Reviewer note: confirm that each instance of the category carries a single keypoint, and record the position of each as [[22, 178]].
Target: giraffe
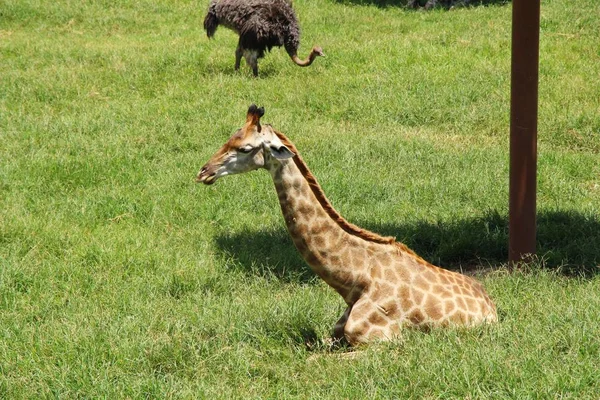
[[385, 285]]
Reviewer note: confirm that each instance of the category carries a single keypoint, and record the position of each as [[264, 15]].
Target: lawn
[[122, 278]]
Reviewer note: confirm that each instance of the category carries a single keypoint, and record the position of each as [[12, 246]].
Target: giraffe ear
[[280, 152], [275, 146]]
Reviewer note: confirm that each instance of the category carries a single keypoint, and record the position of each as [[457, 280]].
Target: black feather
[[261, 24], [211, 22]]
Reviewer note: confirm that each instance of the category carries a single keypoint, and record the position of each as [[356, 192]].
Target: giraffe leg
[[338, 329], [251, 57], [366, 323], [357, 328], [430, 4]]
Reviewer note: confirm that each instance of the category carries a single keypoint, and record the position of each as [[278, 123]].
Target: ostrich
[[261, 25]]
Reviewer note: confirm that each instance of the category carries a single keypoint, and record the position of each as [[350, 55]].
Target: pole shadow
[[566, 240]]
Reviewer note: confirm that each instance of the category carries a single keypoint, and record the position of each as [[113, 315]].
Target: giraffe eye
[[245, 150]]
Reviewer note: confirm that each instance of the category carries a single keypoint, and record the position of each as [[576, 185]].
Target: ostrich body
[[261, 25]]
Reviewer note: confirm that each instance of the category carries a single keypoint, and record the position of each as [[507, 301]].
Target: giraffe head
[[252, 147]]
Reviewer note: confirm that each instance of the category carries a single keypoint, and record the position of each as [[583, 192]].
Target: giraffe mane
[[332, 212]]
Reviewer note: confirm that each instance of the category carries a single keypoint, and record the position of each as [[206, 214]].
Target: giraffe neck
[[332, 246], [316, 236]]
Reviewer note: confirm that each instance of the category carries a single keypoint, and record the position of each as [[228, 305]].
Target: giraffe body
[[385, 285]]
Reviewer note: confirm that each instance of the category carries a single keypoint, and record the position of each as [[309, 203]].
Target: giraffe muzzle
[[205, 176], [207, 180]]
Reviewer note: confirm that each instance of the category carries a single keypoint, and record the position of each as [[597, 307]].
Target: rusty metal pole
[[523, 129]]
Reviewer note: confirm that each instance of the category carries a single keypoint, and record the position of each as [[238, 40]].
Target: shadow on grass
[[266, 252], [416, 4], [568, 241]]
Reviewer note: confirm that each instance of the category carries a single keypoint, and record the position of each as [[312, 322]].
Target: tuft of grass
[[121, 278]]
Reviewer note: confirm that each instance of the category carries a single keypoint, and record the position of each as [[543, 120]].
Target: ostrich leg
[[238, 56], [251, 57]]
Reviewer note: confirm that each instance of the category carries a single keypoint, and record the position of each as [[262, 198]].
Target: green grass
[[122, 278]]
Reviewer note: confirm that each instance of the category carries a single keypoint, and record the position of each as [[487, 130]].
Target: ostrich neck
[[323, 243], [303, 63]]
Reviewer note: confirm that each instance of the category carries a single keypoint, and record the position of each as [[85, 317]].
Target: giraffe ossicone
[[385, 285]]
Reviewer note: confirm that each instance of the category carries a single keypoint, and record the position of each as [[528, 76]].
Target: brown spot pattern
[[416, 317], [390, 275], [406, 286], [418, 296], [377, 319], [433, 308]]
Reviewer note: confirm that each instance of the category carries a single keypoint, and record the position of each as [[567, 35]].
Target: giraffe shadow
[[267, 253], [567, 241]]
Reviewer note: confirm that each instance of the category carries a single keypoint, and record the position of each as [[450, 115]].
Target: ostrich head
[[317, 51]]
